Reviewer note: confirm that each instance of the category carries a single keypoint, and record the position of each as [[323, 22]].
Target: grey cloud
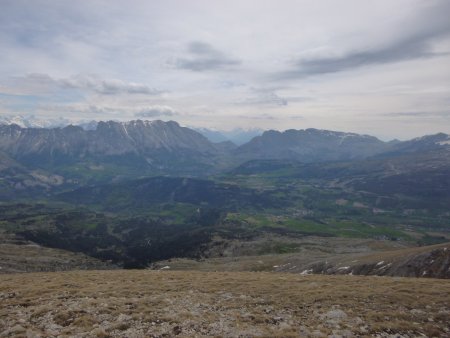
[[96, 110], [38, 77], [204, 57], [31, 84], [433, 23], [156, 111], [419, 114], [43, 82], [401, 51], [259, 117], [264, 97], [113, 112], [107, 87], [145, 112]]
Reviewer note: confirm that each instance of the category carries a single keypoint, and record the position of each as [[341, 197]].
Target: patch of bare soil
[[126, 303]]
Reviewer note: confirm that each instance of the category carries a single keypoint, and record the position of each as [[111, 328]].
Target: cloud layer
[[379, 68]]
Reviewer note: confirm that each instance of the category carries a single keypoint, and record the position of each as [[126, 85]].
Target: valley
[[133, 194]]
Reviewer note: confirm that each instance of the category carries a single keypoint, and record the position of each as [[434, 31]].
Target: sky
[[374, 67]]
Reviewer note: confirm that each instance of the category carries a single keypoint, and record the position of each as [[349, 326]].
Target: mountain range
[[238, 136], [43, 158], [148, 137]]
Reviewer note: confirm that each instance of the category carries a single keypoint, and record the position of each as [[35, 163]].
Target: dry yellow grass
[[147, 303]]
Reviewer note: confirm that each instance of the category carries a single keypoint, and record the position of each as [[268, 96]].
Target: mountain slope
[[414, 180], [19, 181]]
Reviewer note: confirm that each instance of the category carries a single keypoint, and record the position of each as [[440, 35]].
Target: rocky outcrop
[[431, 261]]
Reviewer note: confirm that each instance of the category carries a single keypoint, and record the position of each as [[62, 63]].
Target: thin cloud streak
[[204, 57], [419, 114], [264, 97], [44, 83], [417, 45], [156, 111]]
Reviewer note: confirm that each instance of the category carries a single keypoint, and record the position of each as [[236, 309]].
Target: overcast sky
[[374, 67]]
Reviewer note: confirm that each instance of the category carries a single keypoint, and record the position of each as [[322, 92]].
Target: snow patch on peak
[[445, 141], [31, 121]]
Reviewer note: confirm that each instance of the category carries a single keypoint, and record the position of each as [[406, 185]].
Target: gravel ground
[[126, 303]]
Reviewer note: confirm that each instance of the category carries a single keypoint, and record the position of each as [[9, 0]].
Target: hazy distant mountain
[[212, 135], [88, 125], [33, 122], [420, 144], [238, 136]]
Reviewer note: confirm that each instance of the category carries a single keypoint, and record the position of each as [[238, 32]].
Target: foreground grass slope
[[185, 303]]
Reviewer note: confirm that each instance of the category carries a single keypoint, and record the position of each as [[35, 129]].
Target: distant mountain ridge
[[419, 144], [238, 136], [314, 145], [311, 145]]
